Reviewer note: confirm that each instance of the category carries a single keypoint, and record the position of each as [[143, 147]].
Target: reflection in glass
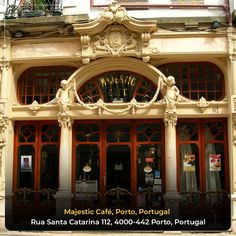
[[213, 181], [49, 167], [87, 158], [149, 167]]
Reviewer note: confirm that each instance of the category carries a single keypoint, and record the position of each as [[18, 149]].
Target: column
[[232, 136], [64, 195], [171, 197], [5, 142]]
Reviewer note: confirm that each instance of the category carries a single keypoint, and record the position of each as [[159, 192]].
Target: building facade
[[102, 101]]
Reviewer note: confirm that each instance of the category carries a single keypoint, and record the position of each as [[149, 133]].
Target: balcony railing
[[33, 8]]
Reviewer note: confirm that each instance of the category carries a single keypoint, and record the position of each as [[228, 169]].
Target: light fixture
[[18, 34], [215, 25], [147, 169], [87, 168]]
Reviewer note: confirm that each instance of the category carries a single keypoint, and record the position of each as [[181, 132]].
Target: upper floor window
[[41, 83], [197, 79]]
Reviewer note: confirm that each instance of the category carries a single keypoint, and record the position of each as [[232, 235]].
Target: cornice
[[111, 15]]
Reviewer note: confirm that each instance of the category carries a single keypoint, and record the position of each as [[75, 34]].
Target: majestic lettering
[[118, 87]]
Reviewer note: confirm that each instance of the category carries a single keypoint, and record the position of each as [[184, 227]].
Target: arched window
[[196, 79], [41, 83], [117, 86]]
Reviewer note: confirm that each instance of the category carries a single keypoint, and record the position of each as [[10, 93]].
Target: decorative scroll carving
[[114, 13], [202, 104], [145, 37], [233, 104], [34, 107], [86, 52], [115, 39], [116, 33]]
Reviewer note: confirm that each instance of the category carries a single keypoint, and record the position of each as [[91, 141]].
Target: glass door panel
[[49, 167], [87, 159], [118, 167], [189, 168]]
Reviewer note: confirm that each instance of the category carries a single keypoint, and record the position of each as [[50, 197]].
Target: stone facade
[[113, 41]]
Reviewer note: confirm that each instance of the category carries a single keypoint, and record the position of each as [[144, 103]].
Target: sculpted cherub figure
[[63, 98], [171, 94]]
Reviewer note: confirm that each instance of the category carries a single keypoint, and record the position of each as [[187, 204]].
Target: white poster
[[26, 163]]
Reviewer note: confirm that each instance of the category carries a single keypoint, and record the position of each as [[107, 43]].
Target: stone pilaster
[[3, 127], [63, 196]]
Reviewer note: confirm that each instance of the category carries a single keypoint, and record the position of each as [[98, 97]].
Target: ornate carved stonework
[[170, 119], [114, 13], [115, 39], [86, 51], [3, 125], [4, 64], [116, 33], [234, 104], [34, 107], [65, 121], [202, 104]]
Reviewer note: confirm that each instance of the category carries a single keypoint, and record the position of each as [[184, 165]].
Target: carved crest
[[116, 33], [115, 39]]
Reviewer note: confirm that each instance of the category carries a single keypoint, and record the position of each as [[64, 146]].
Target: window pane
[[188, 131]]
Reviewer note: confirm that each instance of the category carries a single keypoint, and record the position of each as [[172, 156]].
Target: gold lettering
[[133, 81], [124, 92], [103, 82]]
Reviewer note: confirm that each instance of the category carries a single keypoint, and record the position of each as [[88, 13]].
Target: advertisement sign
[[189, 162], [215, 162], [26, 163]]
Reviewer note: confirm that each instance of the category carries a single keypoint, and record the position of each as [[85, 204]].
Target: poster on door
[[189, 162], [215, 162], [26, 163]]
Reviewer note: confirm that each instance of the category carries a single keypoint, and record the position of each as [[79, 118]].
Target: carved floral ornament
[[117, 34]]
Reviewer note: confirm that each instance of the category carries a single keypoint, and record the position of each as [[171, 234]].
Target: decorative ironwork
[[33, 8]]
